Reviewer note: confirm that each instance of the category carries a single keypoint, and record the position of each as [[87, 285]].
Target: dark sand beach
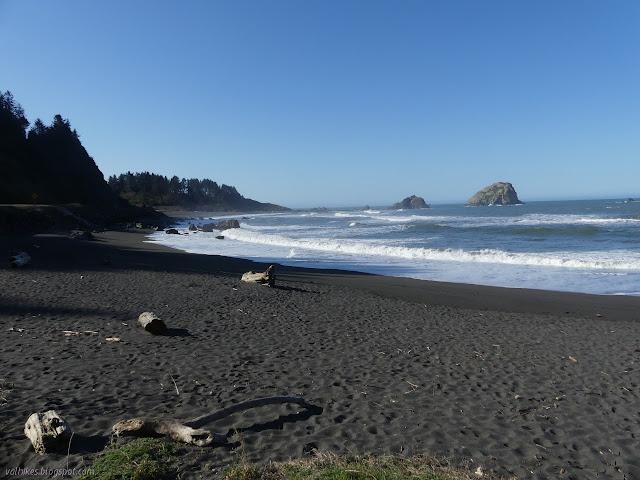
[[526, 383]]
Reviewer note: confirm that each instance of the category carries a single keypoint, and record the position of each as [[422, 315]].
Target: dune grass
[[160, 459], [324, 466], [140, 459]]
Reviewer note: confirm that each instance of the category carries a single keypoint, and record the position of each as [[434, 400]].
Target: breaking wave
[[611, 260]]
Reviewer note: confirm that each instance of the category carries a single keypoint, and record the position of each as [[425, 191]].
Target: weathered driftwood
[[19, 260], [48, 432], [174, 429], [268, 277], [82, 235], [152, 324], [189, 431]]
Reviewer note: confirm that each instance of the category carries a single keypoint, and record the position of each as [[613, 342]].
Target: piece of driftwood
[[174, 429], [190, 431], [82, 235], [152, 324], [19, 260], [268, 277], [48, 432]]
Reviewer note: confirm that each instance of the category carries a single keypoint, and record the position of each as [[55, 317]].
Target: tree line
[[151, 189], [47, 163]]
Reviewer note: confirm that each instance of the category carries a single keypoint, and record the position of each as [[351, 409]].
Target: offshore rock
[[500, 193], [224, 225], [411, 203]]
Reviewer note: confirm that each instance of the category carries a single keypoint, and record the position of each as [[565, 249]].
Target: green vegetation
[[154, 190], [147, 459], [48, 164], [367, 467], [140, 459]]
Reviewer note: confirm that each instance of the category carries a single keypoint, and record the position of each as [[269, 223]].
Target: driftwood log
[[48, 432], [174, 429], [152, 324], [189, 431], [82, 235], [19, 260], [268, 277]]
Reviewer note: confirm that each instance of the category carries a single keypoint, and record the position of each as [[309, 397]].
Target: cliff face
[[500, 193], [411, 203]]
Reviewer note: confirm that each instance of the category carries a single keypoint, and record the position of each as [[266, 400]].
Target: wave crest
[[584, 260]]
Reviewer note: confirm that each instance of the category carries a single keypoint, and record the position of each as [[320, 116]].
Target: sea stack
[[411, 203], [500, 193]]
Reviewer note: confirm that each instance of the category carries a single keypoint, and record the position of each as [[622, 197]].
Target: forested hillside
[[156, 190], [47, 164]]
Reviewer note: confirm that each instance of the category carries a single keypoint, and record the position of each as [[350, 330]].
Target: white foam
[[397, 243], [350, 215], [525, 220], [583, 260], [472, 221]]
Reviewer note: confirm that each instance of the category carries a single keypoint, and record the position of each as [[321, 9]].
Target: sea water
[[580, 246]]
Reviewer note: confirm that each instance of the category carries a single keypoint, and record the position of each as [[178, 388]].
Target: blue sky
[[336, 103]]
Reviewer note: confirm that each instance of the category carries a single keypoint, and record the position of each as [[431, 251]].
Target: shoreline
[[486, 377], [463, 295], [541, 266], [460, 295]]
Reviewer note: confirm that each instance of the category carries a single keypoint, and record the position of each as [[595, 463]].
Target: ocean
[[588, 246]]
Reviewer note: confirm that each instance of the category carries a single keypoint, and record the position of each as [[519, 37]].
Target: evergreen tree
[[13, 124]]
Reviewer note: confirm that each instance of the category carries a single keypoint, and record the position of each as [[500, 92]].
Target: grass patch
[[161, 459], [366, 467], [140, 459]]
